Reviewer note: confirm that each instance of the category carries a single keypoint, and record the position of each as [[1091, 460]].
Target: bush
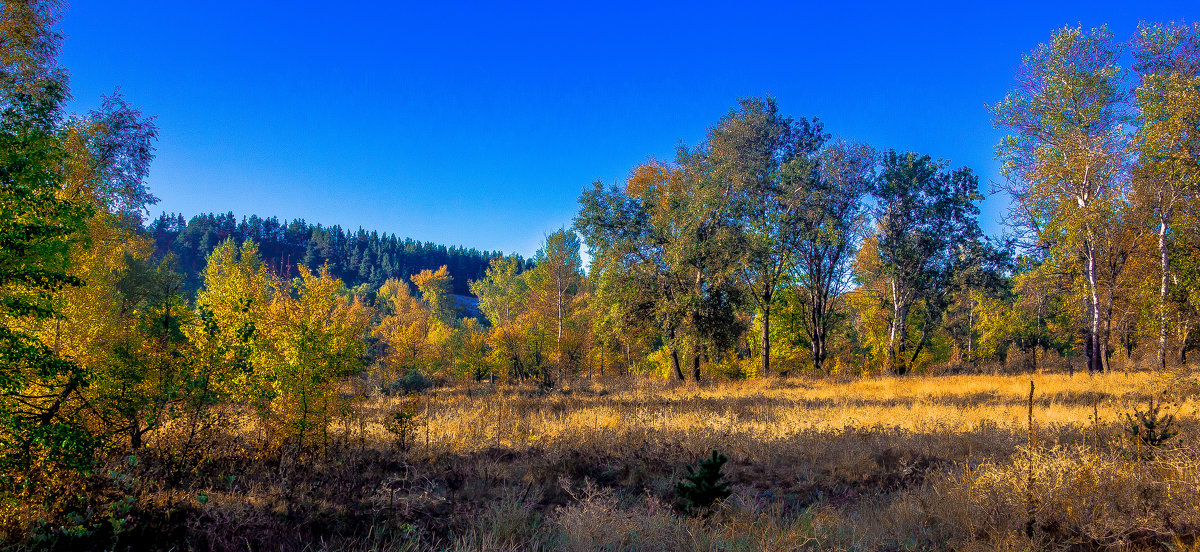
[[701, 489], [411, 382], [1151, 429], [402, 424]]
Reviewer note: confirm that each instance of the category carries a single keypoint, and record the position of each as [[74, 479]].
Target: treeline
[[358, 258], [772, 247]]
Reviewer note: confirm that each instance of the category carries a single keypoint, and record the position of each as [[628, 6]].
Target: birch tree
[[1065, 156]]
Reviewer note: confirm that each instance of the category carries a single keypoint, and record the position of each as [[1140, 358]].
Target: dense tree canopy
[[357, 258]]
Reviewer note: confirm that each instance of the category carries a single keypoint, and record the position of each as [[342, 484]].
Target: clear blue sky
[[479, 125]]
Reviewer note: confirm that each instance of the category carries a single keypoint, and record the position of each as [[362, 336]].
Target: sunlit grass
[[472, 419], [884, 463]]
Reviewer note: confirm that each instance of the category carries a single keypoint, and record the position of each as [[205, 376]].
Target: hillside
[[357, 257]]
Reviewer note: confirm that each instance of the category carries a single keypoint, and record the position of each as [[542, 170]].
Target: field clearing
[[762, 411], [891, 463]]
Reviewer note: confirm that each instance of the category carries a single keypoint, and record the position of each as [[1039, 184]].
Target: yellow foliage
[[313, 336]]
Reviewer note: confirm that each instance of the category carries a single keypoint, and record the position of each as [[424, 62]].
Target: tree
[[111, 151], [767, 162], [148, 372], [231, 307], [39, 388], [828, 226], [407, 328], [628, 263], [435, 289], [502, 294], [314, 335], [1167, 176], [98, 325], [1065, 155], [925, 217], [670, 237], [554, 283]]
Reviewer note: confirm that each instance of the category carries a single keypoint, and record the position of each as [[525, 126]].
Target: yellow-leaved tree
[[502, 294], [231, 306], [313, 337], [412, 335]]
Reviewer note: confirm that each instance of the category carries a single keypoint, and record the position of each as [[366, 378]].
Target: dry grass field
[[916, 463]]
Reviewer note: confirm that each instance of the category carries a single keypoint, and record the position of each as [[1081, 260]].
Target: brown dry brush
[[892, 463]]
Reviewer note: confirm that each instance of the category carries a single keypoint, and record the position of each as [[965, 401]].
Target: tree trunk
[[896, 332], [816, 330], [696, 367], [1183, 343], [675, 368], [135, 436], [1162, 293], [1097, 352], [765, 369], [1106, 336], [818, 351], [920, 344]]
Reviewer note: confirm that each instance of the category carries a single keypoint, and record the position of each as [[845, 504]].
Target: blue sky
[[480, 124]]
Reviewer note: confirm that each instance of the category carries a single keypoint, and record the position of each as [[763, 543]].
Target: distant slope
[[358, 257]]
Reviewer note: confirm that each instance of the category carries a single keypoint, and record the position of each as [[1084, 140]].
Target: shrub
[[701, 489], [402, 424], [412, 381], [1151, 429]]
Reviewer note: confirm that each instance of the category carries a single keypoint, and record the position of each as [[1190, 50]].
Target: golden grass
[[887, 463], [464, 420], [927, 461]]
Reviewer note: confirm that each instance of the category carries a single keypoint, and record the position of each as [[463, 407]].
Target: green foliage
[[413, 381], [39, 431], [148, 373], [357, 257], [1150, 429], [926, 219], [767, 162], [701, 489], [666, 245]]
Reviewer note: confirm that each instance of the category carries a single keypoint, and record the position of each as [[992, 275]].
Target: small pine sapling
[[1151, 429], [701, 489]]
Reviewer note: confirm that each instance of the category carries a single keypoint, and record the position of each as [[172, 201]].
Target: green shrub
[[1151, 429], [699, 490], [412, 381]]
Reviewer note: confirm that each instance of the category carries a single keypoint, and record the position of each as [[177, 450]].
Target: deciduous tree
[[768, 164], [1066, 154], [1167, 176], [925, 218]]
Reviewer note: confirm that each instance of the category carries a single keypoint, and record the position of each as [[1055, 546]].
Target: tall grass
[[892, 463]]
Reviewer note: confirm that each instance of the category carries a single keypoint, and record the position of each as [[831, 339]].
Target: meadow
[[890, 463]]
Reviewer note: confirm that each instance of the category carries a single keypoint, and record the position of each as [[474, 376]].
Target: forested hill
[[357, 257]]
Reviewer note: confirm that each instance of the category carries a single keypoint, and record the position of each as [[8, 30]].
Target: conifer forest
[[777, 339]]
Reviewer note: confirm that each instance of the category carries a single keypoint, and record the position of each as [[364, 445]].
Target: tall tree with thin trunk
[[925, 215], [1065, 156], [554, 284], [829, 222], [1167, 176]]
